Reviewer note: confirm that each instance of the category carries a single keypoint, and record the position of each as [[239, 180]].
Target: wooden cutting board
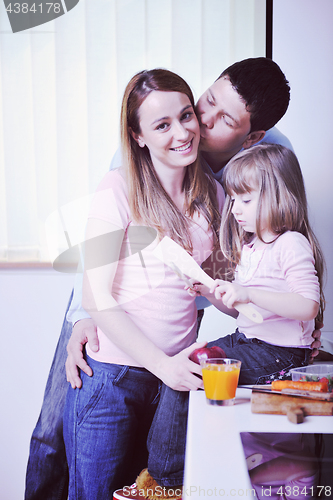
[[293, 407]]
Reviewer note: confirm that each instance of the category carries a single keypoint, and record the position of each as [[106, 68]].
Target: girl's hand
[[230, 293], [178, 371]]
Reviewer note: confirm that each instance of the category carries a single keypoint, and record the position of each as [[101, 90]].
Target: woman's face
[[169, 129]]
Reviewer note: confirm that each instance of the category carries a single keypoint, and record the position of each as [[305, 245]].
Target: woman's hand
[[178, 372], [230, 293], [197, 289]]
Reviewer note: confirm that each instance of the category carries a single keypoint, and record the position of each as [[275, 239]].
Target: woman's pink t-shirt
[[150, 292]]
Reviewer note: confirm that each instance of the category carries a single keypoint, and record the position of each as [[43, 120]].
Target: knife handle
[[249, 312], [295, 415]]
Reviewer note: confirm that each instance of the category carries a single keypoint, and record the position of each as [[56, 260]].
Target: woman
[[146, 320]]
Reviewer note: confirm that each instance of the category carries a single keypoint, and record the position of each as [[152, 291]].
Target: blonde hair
[[149, 202], [273, 170]]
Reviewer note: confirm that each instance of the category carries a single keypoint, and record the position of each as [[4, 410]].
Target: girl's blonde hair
[[273, 170], [149, 202]]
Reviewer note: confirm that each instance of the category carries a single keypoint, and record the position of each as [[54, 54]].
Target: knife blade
[[321, 396], [180, 275], [168, 251]]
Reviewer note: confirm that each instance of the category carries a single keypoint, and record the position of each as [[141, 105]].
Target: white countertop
[[215, 464]]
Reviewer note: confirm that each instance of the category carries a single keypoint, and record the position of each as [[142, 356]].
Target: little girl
[[277, 263], [278, 267]]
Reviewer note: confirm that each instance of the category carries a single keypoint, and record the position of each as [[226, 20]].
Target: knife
[[173, 255], [180, 275], [321, 396]]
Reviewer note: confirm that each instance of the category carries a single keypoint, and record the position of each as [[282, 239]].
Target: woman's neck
[[172, 182]]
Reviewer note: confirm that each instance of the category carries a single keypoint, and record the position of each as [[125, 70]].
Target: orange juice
[[220, 379]]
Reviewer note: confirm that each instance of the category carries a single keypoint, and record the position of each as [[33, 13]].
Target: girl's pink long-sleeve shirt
[[285, 266]]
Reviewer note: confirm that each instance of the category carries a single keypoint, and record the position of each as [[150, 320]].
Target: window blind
[[61, 85]]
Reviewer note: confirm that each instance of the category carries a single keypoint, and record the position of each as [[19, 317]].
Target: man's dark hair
[[264, 89]]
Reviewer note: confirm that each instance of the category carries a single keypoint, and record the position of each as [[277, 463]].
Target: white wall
[[303, 47], [33, 304]]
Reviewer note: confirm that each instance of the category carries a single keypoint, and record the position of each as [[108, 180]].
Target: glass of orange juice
[[220, 378]]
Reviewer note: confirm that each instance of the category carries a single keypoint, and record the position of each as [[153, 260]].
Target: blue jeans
[[106, 424], [47, 472], [261, 362]]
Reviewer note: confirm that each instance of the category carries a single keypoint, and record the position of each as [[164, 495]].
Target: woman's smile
[[186, 148], [169, 125]]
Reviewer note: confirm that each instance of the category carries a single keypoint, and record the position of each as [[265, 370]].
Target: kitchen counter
[[215, 464]]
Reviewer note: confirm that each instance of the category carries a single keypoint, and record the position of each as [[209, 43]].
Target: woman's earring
[[137, 138]]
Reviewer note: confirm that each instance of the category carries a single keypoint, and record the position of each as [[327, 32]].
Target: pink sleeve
[[297, 264]]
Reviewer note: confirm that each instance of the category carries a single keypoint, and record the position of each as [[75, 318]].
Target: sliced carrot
[[279, 385]]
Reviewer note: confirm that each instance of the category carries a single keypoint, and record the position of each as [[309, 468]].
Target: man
[[236, 112]]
